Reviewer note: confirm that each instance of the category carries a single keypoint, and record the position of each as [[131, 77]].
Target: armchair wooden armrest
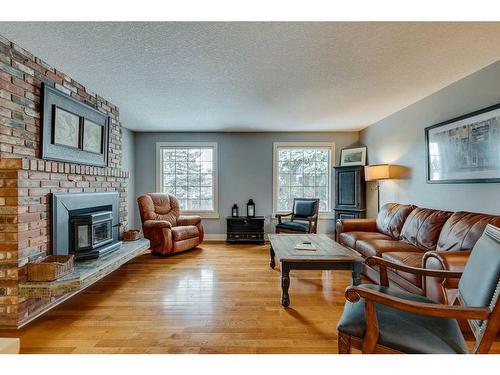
[[371, 297], [279, 216], [384, 264], [354, 293], [157, 224]]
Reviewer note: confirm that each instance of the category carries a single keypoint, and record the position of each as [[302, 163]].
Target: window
[[302, 170], [189, 172]]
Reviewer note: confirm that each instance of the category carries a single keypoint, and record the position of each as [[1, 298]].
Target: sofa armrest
[[358, 225], [446, 260], [440, 289], [157, 224], [189, 220], [377, 261]]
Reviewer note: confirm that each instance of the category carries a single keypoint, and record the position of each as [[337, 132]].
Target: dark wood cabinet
[[245, 229], [350, 192]]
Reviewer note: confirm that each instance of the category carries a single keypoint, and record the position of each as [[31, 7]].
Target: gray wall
[[128, 164], [399, 139], [245, 167]]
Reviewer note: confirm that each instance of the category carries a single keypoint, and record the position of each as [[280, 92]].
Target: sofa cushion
[[422, 227], [376, 247], [407, 258], [184, 232], [391, 218], [293, 225], [462, 230], [406, 332], [350, 238]]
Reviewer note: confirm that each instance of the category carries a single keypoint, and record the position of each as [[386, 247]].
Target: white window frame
[[277, 146], [212, 214]]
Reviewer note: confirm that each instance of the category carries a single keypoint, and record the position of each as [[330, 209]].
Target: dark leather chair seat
[[294, 225], [407, 258], [350, 238], [371, 247], [403, 331]]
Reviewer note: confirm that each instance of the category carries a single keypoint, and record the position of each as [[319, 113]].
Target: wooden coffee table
[[329, 255]]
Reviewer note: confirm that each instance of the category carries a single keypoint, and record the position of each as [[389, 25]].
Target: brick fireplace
[[26, 181]]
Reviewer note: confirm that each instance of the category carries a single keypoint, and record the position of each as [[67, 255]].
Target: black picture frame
[[428, 129], [52, 99], [362, 162]]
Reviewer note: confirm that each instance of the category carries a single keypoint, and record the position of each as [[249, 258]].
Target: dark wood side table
[[243, 229]]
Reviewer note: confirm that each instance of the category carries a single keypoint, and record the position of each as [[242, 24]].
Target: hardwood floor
[[218, 299]]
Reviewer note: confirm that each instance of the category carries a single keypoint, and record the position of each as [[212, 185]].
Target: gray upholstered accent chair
[[380, 319], [303, 218]]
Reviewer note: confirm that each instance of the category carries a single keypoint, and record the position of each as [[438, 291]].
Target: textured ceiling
[[260, 76]]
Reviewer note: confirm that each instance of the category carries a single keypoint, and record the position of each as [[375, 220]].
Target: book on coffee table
[[305, 246]]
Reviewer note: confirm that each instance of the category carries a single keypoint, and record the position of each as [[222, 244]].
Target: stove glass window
[[83, 236], [102, 232]]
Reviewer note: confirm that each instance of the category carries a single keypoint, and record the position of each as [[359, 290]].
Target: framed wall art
[[73, 131], [66, 128], [92, 136], [353, 156], [465, 149]]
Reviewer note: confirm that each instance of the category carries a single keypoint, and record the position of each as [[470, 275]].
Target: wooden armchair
[[303, 218], [380, 319]]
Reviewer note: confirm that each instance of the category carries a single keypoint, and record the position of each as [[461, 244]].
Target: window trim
[[212, 214], [276, 146]]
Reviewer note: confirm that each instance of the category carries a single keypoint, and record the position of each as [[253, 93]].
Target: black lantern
[[234, 210], [250, 208]]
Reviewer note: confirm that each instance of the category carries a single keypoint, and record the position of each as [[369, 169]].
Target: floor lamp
[[377, 172]]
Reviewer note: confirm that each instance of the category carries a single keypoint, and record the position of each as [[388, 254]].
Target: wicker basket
[[50, 268], [131, 235]]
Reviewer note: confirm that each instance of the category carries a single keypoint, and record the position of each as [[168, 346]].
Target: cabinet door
[[346, 215], [348, 188], [350, 214]]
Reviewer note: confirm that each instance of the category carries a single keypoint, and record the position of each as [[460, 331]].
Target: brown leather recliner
[[165, 228]]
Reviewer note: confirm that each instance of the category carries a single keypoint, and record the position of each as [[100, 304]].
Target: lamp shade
[[378, 172]]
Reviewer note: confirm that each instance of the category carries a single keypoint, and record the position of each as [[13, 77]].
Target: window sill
[[202, 214]]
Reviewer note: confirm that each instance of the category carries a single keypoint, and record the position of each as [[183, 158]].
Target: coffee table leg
[[272, 264], [285, 284], [356, 273]]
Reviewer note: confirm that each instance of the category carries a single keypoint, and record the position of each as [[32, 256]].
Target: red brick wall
[[26, 181]]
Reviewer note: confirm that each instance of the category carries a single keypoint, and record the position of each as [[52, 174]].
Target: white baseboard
[[214, 237], [222, 237]]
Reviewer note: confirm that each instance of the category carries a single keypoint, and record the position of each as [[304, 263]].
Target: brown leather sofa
[[417, 237], [166, 229]]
